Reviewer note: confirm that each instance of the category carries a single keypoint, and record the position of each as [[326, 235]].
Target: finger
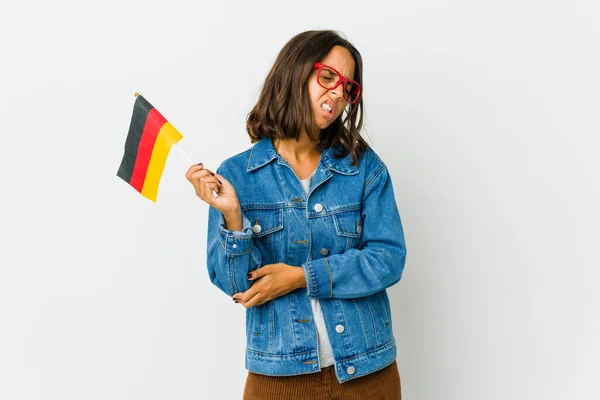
[[260, 272], [197, 183], [198, 174], [244, 304], [202, 180], [202, 177], [244, 297], [255, 301], [221, 179], [257, 273], [198, 168], [206, 179], [238, 302], [208, 189], [192, 169], [215, 175], [199, 180]]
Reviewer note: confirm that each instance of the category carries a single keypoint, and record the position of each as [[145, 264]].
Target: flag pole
[[191, 162], [185, 155]]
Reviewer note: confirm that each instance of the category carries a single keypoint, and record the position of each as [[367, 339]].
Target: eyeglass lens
[[329, 78]]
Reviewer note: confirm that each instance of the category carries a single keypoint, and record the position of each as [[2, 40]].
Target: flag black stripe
[[141, 108]]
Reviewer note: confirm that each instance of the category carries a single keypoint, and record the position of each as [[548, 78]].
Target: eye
[[349, 88], [328, 75]]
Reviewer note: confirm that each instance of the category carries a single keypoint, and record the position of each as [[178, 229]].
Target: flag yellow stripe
[[166, 138]]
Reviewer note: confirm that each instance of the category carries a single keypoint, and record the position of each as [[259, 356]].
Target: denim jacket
[[347, 236]]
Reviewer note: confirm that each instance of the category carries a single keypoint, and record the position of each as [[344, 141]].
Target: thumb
[[224, 182], [225, 188]]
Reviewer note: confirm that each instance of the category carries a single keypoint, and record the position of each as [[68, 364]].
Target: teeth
[[326, 106]]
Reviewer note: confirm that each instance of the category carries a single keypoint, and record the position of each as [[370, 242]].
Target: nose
[[338, 92]]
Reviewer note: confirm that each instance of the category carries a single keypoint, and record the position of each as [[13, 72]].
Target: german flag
[[148, 143]]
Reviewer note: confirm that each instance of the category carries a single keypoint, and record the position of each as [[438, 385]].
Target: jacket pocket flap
[[265, 221], [348, 223]]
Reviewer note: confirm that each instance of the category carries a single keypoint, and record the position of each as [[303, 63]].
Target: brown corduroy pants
[[379, 385]]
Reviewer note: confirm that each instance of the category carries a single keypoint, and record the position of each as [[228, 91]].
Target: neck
[[296, 150]]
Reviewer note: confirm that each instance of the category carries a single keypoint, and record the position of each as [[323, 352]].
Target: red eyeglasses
[[329, 79]]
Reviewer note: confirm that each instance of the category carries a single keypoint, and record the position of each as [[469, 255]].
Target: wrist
[[235, 212], [233, 220], [300, 279]]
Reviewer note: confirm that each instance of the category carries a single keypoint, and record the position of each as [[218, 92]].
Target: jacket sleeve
[[230, 254], [379, 262]]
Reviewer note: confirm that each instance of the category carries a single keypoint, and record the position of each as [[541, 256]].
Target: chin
[[324, 125]]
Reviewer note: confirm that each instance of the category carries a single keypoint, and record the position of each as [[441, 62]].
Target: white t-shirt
[[325, 351]]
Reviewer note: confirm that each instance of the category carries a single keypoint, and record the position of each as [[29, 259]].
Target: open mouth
[[327, 107]]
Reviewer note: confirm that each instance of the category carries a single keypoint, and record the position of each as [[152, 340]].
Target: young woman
[[304, 232]]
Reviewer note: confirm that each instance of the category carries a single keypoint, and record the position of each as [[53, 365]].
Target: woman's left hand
[[271, 281]]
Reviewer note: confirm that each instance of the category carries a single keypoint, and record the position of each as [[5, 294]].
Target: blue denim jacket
[[347, 236]]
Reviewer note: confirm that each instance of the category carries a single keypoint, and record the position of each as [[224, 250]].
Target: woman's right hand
[[205, 181]]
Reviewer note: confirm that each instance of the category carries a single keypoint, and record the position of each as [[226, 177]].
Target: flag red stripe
[[154, 122]]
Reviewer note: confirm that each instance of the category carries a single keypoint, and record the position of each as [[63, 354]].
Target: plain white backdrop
[[487, 114]]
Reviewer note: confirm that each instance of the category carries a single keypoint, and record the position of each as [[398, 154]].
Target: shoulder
[[236, 163], [371, 164]]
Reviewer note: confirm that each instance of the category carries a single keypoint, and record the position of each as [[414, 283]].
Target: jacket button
[[351, 370], [324, 251], [318, 207], [339, 328], [256, 228]]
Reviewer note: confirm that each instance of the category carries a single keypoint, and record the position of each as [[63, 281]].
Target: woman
[[304, 232]]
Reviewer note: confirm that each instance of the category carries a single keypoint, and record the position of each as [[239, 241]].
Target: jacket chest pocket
[[267, 232], [348, 229]]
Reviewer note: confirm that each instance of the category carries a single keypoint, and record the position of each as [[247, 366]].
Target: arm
[[378, 264], [230, 251]]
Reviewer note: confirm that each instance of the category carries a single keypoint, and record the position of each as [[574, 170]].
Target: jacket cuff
[[318, 279], [235, 243]]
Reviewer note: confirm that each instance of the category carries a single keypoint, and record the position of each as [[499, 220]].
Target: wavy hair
[[283, 108]]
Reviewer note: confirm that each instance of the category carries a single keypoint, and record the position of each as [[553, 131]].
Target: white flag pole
[[191, 162]]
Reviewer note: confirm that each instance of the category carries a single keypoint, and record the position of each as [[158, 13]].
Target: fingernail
[[249, 276], [217, 178], [200, 163]]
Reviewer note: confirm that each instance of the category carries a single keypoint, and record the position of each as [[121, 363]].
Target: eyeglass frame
[[342, 79]]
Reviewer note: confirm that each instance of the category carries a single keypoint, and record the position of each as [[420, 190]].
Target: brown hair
[[283, 108]]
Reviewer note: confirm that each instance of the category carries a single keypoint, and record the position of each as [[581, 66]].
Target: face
[[327, 105]]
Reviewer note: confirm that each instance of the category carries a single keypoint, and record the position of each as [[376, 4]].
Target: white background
[[487, 114]]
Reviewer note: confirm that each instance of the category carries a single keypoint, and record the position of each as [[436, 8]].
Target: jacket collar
[[263, 153]]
